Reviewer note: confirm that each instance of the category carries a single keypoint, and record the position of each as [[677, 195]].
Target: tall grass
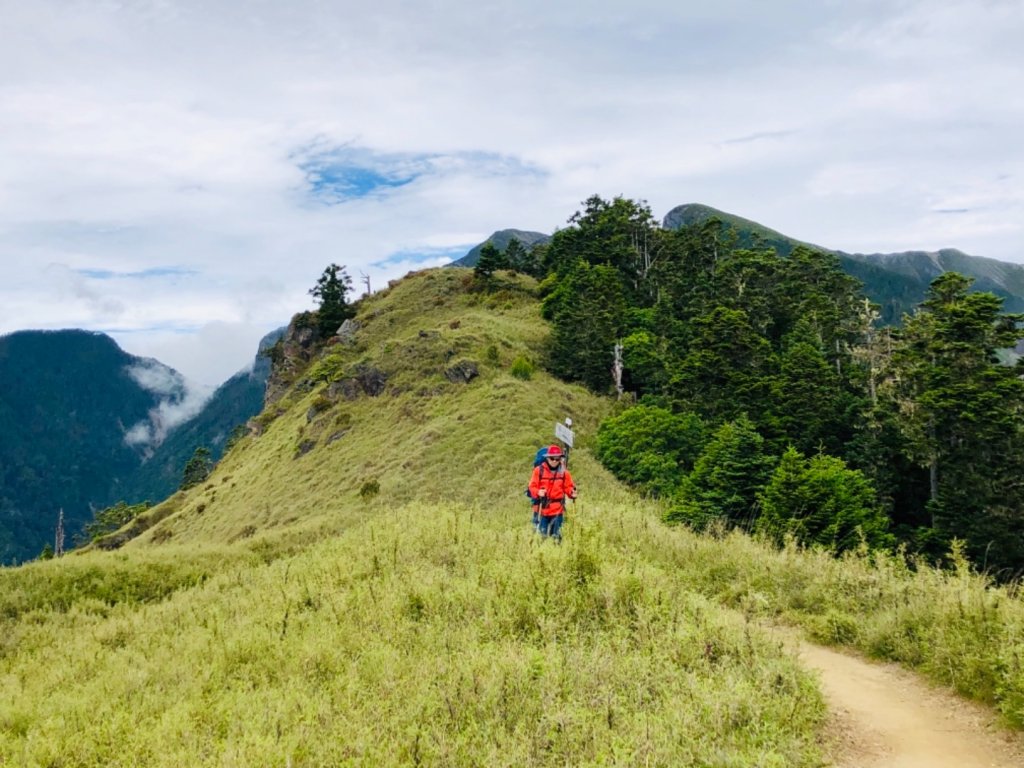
[[954, 626], [426, 635]]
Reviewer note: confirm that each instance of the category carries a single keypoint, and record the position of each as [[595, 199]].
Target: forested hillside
[[69, 399], [770, 397], [896, 282], [85, 425]]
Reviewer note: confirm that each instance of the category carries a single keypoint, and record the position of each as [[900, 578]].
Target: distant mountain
[[897, 282], [76, 415], [84, 424], [233, 403], [501, 239]]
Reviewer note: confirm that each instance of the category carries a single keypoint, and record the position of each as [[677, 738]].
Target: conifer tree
[[587, 309], [821, 501], [491, 260], [726, 479], [516, 256], [197, 469], [330, 292], [809, 397], [727, 368], [962, 415]]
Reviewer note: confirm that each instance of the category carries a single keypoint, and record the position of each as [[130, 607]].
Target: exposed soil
[[886, 717]]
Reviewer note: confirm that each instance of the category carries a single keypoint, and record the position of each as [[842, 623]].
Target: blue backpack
[[537, 461]]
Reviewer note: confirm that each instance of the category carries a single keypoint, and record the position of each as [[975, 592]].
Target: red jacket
[[558, 486]]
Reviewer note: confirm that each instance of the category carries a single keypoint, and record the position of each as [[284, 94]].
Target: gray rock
[[463, 371], [347, 331], [371, 379]]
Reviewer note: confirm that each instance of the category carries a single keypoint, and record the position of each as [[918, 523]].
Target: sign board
[[564, 434]]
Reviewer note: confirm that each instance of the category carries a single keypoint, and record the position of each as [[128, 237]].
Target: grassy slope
[[273, 617]]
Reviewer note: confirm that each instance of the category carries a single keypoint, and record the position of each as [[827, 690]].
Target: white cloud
[[172, 139], [178, 402]]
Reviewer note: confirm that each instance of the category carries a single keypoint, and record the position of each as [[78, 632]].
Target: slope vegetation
[[279, 616], [357, 584]]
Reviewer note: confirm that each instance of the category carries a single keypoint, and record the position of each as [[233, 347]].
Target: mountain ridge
[[501, 239], [897, 282], [357, 583]]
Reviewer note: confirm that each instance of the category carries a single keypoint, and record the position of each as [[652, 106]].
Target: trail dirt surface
[[887, 717]]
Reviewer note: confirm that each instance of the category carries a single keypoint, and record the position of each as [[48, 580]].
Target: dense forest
[[761, 390]]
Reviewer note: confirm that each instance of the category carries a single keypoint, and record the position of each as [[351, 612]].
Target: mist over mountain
[[85, 424], [228, 408], [77, 415]]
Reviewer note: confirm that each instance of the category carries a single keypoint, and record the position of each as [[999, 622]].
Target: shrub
[[197, 469], [821, 501], [369, 489], [522, 368], [650, 447], [112, 518], [730, 472]]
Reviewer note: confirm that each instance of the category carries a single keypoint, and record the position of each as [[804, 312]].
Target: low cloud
[[179, 402]]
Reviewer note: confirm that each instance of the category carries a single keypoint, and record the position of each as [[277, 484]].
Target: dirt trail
[[887, 717]]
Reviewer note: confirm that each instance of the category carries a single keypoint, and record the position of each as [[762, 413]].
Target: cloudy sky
[[177, 173]]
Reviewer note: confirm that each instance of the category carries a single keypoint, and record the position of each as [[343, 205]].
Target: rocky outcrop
[[463, 372], [347, 331], [366, 380], [291, 355]]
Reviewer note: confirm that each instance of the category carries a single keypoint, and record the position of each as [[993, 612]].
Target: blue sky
[[179, 173]]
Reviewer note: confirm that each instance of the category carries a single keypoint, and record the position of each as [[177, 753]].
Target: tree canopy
[[911, 434], [331, 292]]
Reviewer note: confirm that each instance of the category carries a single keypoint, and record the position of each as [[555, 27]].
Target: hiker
[[551, 485], [538, 459]]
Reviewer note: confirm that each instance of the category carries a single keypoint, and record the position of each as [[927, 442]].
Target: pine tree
[[516, 256], [489, 262], [587, 309], [822, 501], [330, 291], [727, 368], [726, 479], [809, 398], [197, 469], [961, 412]]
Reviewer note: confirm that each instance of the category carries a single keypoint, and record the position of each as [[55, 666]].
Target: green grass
[[426, 635], [280, 614]]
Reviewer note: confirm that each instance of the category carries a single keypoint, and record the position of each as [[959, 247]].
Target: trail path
[[887, 717]]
